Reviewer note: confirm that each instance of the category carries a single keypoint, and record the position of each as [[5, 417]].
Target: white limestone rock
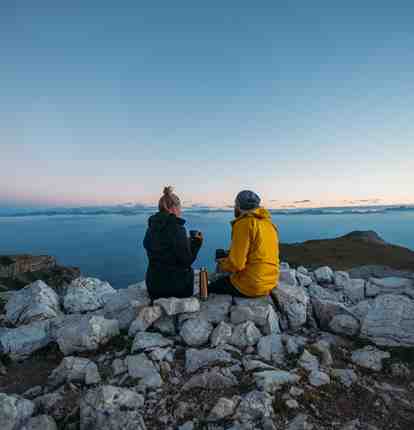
[[85, 333], [221, 334], [86, 295], [41, 422], [389, 285], [341, 279], [119, 367], [318, 378], [326, 310], [272, 380], [125, 304], [324, 275], [144, 341], [146, 316], [14, 411], [75, 369], [19, 343], [196, 331], [196, 359], [390, 321], [288, 276], [355, 290], [303, 270], [294, 344], [215, 309], [34, 302], [322, 348], [174, 306], [139, 366], [255, 405], [245, 334], [300, 422], [308, 361], [251, 364], [259, 311], [303, 279], [111, 408], [212, 379], [166, 325], [222, 409], [293, 301], [370, 358], [344, 324], [271, 349], [347, 377]]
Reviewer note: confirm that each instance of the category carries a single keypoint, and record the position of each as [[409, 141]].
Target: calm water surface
[[110, 246]]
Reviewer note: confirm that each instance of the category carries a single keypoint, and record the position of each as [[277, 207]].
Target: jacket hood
[[260, 213], [162, 219]]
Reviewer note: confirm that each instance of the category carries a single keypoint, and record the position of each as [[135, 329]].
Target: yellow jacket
[[254, 254]]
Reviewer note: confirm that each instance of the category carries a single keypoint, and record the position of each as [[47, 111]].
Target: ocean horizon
[[109, 245]]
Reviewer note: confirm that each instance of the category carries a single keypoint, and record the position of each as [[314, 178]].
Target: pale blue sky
[[106, 102]]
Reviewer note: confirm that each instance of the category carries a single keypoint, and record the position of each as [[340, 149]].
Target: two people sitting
[[252, 262]]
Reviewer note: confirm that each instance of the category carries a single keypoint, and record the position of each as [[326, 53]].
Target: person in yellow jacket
[[253, 259]]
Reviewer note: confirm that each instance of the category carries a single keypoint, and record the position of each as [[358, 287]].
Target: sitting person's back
[[253, 260], [170, 252]]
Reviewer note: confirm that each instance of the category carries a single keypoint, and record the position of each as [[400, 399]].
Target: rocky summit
[[325, 350]]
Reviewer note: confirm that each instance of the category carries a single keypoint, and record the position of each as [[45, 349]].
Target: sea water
[[110, 246]]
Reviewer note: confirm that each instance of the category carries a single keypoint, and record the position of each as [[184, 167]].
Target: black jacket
[[171, 254]]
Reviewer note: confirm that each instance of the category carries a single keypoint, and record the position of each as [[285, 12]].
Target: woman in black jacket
[[170, 251]]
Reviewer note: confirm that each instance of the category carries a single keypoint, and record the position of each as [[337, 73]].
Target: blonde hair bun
[[168, 200], [168, 190]]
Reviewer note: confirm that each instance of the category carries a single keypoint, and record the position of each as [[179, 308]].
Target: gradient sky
[[106, 102]]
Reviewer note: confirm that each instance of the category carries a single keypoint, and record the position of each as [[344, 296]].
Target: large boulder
[[75, 369], [41, 422], [272, 380], [140, 367], [35, 302], [255, 404], [213, 379], [125, 304], [144, 341], [390, 321], [196, 331], [355, 290], [344, 324], [221, 334], [111, 408], [326, 310], [271, 348], [198, 358], [389, 285], [324, 275], [86, 295], [245, 334], [213, 310], [174, 306], [258, 311], [147, 315], [19, 343], [14, 412], [288, 276], [84, 333], [293, 301], [370, 358]]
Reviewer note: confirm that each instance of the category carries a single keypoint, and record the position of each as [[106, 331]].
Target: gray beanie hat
[[247, 200]]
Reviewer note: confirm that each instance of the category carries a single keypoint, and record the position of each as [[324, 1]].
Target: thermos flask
[[203, 275]]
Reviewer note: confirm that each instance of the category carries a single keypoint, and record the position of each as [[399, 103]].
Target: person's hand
[[198, 238]]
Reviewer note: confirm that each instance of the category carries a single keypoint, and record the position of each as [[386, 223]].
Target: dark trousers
[[166, 283], [224, 286]]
